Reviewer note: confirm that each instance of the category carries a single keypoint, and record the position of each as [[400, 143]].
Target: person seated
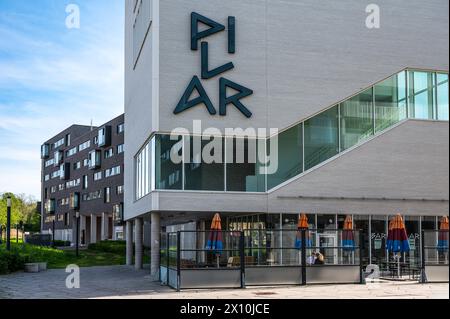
[[311, 259], [320, 260]]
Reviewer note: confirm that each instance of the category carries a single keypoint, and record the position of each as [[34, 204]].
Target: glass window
[[356, 119], [168, 173], [421, 94], [109, 153], [290, 255], [107, 193], [413, 233], [390, 101], [245, 172], [326, 222], [204, 168], [429, 223], [321, 137], [290, 156], [378, 237], [442, 96], [341, 221], [361, 222]]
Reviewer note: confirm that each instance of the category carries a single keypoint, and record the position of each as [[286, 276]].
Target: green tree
[[23, 209]]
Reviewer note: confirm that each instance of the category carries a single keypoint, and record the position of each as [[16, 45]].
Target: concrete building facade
[[359, 114]]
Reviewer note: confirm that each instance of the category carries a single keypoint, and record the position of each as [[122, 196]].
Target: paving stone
[[125, 282]]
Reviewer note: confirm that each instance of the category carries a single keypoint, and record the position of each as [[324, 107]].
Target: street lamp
[[77, 215], [8, 223], [22, 227], [53, 231]]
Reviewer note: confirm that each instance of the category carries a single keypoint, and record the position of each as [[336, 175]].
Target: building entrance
[[328, 243]]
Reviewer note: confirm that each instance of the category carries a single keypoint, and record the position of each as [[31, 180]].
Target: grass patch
[[59, 259]]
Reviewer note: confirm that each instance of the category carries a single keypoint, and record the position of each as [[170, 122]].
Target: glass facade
[[168, 173], [245, 172], [321, 137], [408, 94], [290, 156], [280, 231], [442, 96], [142, 172], [356, 119], [421, 94], [390, 101], [204, 167]]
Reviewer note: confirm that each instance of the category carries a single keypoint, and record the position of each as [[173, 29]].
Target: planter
[[42, 266], [32, 267]]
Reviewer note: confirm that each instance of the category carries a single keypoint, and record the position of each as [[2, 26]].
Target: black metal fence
[[261, 257], [39, 239]]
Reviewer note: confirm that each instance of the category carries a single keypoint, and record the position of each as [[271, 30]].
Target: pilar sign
[[207, 73]]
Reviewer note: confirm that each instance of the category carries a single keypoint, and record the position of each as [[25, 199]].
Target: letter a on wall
[[184, 102]]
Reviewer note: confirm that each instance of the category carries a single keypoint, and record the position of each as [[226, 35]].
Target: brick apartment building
[[82, 171]]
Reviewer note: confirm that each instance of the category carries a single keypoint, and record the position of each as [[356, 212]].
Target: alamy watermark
[[373, 20], [242, 146], [73, 279], [73, 16]]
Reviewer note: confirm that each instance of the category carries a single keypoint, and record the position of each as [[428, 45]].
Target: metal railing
[[184, 255], [434, 256]]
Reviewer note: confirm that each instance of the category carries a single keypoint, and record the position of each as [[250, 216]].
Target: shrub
[[3, 265], [11, 261], [115, 247], [62, 243], [14, 260]]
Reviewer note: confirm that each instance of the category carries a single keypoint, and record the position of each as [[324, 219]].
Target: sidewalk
[[114, 282]]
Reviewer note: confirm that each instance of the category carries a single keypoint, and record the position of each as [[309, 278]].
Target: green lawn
[[60, 259]]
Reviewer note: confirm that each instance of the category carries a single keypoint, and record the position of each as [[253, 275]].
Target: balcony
[[50, 206], [45, 151], [58, 158], [118, 214], [64, 171], [104, 136], [75, 201], [95, 159]]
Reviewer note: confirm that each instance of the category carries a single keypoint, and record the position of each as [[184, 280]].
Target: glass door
[[327, 243]]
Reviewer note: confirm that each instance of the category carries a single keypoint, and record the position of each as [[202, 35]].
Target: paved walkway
[[125, 282]]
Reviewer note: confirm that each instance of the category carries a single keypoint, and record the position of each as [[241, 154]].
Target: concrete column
[[93, 229], [105, 226], [139, 248], [129, 239], [155, 246]]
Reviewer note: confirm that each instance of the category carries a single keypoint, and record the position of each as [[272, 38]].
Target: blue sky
[[52, 76]]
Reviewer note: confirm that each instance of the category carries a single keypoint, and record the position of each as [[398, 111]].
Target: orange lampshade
[[348, 223], [216, 222], [302, 221], [444, 223]]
